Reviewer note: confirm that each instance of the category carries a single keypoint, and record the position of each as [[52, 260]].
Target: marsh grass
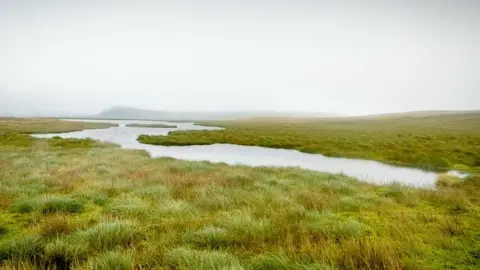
[[3, 229], [58, 142], [175, 208], [280, 262], [368, 254], [446, 180], [26, 248], [57, 225], [331, 225], [108, 235], [62, 255], [209, 237], [125, 207], [435, 142], [45, 125], [186, 258], [48, 205], [61, 204], [152, 192], [113, 260], [245, 230], [101, 207]]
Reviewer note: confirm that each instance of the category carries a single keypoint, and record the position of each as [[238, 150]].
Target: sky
[[345, 57]]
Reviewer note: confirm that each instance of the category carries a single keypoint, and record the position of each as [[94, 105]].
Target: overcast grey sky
[[349, 57]]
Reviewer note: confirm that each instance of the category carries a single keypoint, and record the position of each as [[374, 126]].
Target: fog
[[346, 57]]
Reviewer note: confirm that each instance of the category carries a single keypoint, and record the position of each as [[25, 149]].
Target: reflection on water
[[365, 170]]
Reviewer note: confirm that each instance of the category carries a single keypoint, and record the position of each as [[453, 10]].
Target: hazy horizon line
[[259, 112]]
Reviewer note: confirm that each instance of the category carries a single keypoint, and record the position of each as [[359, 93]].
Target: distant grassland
[[151, 125], [438, 142], [45, 125], [81, 204]]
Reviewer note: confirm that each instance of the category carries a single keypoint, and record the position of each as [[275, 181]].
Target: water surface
[[365, 170]]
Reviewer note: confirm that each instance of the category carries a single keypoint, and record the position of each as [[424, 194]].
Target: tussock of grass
[[185, 258], [108, 235], [113, 260], [355, 203], [61, 255], [241, 229], [235, 178], [211, 237], [61, 204], [400, 195], [115, 187], [270, 261], [100, 199], [27, 248], [24, 206], [446, 180], [154, 192], [57, 225], [175, 208], [367, 254], [280, 262], [213, 198], [334, 226], [48, 205], [128, 208]]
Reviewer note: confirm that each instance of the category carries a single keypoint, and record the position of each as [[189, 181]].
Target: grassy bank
[[151, 125], [438, 142], [45, 125], [80, 204]]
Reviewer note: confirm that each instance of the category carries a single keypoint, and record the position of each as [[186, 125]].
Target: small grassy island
[[151, 125]]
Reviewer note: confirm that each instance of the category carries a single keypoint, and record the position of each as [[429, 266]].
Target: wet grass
[[438, 142], [95, 206], [48, 205], [113, 260], [46, 125], [151, 125]]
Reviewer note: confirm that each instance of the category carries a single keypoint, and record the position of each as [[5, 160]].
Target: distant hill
[[122, 112], [421, 114]]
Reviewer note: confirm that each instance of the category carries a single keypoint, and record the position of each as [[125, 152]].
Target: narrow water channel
[[364, 170]]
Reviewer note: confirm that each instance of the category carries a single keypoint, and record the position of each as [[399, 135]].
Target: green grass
[[435, 142], [113, 260], [29, 248], [60, 254], [186, 258], [61, 204], [96, 206], [327, 225], [151, 125], [48, 205], [46, 125], [108, 235]]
